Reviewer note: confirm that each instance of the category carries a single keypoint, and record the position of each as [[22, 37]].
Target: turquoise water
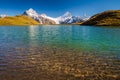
[[59, 52], [83, 38]]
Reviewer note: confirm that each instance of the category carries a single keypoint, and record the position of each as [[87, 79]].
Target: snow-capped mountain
[[64, 18], [67, 18], [42, 19], [33, 14], [3, 15]]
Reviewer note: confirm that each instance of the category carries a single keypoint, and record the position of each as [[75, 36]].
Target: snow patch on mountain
[[3, 15], [48, 17], [33, 14], [67, 18]]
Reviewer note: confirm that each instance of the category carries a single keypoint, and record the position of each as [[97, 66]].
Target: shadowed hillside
[[107, 18], [18, 20]]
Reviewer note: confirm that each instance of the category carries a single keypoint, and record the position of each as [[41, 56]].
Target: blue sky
[[56, 8]]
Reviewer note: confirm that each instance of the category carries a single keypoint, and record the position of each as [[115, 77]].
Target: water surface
[[65, 51]]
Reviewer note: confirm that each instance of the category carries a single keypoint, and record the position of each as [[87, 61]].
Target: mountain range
[[67, 18], [37, 18]]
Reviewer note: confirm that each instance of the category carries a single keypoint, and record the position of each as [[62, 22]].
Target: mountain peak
[[68, 14], [33, 14], [30, 9], [30, 12]]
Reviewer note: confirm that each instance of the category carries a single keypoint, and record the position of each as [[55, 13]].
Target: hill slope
[[107, 18], [18, 20]]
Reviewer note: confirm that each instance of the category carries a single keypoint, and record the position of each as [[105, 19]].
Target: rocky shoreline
[[57, 64]]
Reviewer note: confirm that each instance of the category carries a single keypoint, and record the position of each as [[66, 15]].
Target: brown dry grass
[[18, 20], [107, 18]]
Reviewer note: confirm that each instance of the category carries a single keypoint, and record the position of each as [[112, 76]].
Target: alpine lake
[[59, 52]]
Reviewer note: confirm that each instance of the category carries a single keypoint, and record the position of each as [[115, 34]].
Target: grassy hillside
[[107, 18], [18, 20]]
